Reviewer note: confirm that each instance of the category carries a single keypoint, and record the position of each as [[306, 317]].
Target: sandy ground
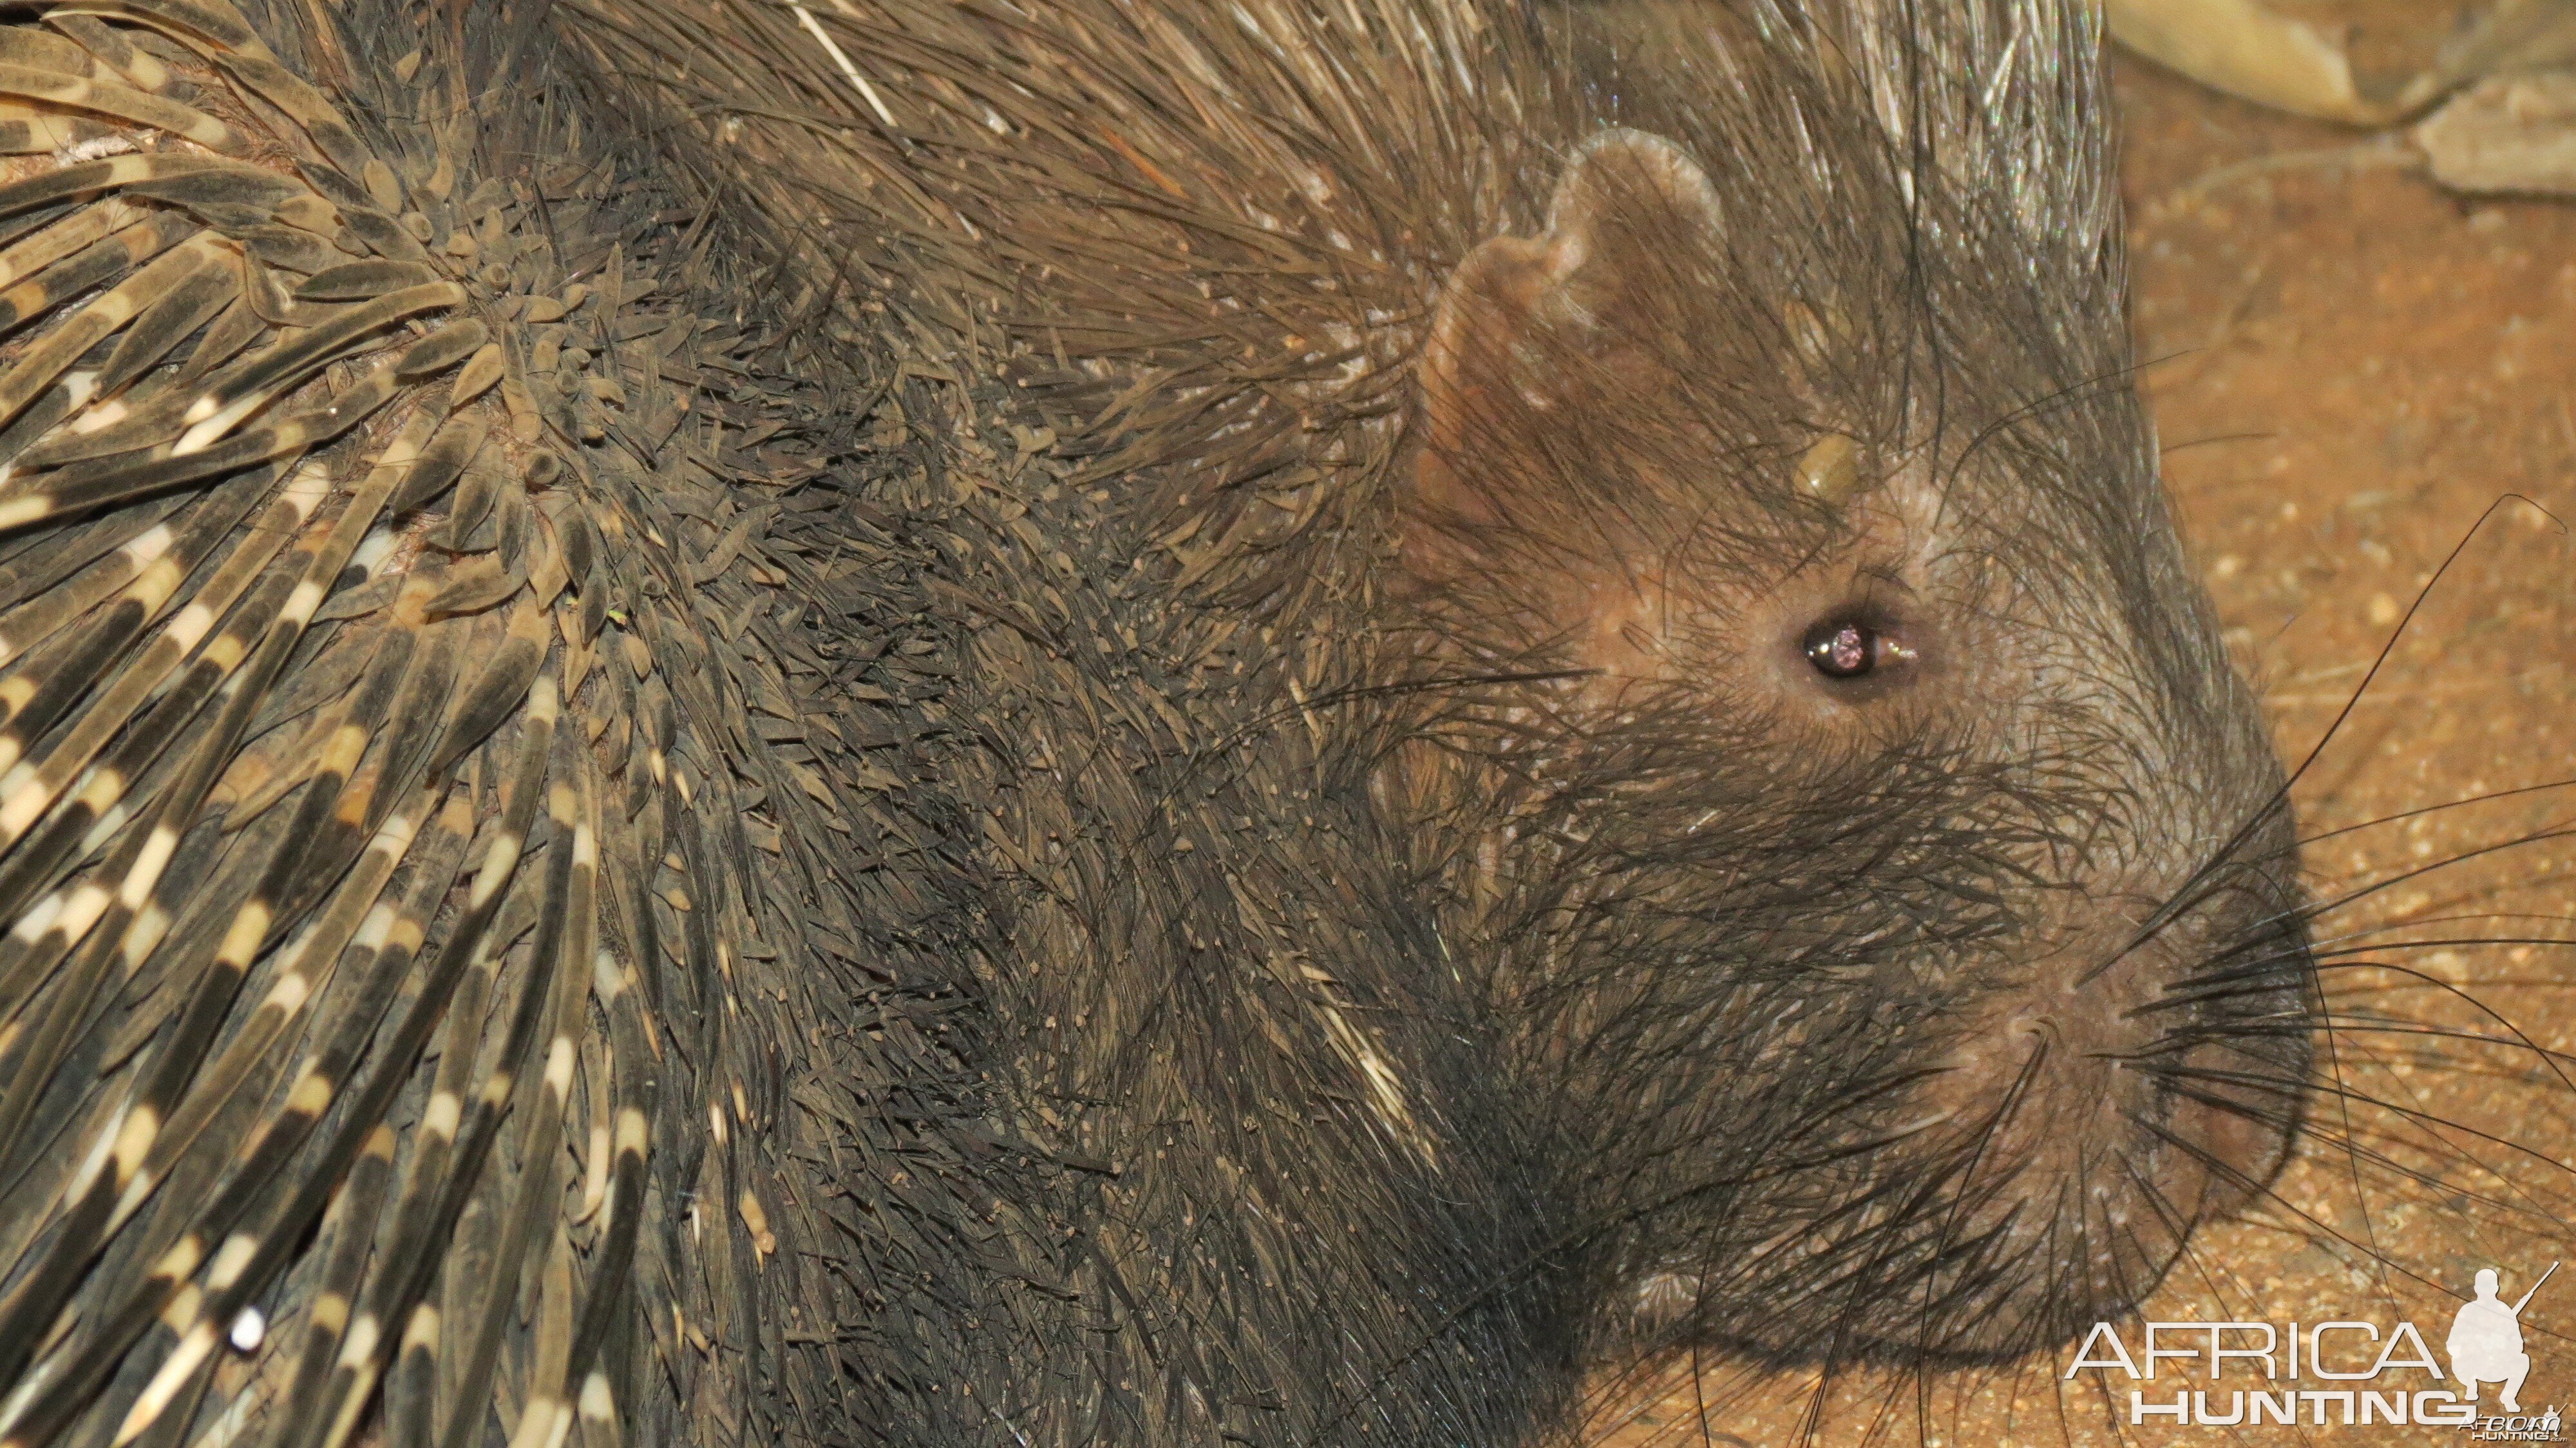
[[2357, 368]]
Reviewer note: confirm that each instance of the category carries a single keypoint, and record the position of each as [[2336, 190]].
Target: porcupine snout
[[2119, 1034], [2142, 1078]]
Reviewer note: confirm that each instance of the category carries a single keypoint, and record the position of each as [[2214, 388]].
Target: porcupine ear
[[1527, 327]]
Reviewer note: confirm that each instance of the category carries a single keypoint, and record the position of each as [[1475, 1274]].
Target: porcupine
[[939, 723]]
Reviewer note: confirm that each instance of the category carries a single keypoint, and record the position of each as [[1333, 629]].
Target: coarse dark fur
[[1153, 660]]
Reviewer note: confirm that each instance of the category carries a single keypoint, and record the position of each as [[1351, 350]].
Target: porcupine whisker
[[1953, 1193], [2317, 1230], [2353, 1143], [1783, 1165], [2438, 1047], [2313, 910], [1936, 1308], [2420, 1117], [2174, 1083], [2417, 872], [2416, 1115], [2423, 811], [2359, 942], [1843, 1282], [2508, 1206], [1844, 1152], [2281, 796], [2251, 981], [2257, 981], [2436, 983], [2431, 1039], [2350, 1137], [2330, 1019], [2416, 922], [1951, 1268], [2123, 1246], [2093, 1244], [2370, 1144]]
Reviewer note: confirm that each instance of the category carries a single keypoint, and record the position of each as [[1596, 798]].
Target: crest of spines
[[334, 736]]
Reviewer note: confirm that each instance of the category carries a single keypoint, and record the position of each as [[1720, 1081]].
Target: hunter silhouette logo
[[2486, 1340], [2348, 1372]]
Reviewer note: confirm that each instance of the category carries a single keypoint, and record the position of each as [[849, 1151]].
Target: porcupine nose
[[2135, 1084]]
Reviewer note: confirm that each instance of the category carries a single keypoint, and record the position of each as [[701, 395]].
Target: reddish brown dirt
[[2355, 369]]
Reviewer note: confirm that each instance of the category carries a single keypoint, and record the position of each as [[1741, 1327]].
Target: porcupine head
[[1821, 757], [1884, 869]]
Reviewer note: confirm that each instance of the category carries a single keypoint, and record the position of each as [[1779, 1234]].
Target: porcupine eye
[[1842, 647]]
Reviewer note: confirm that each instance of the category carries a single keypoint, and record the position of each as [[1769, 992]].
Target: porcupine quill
[[338, 812]]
